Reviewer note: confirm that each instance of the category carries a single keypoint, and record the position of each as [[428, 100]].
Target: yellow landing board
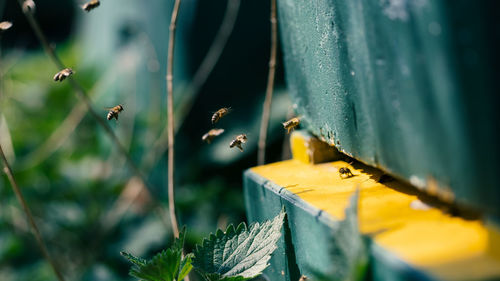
[[447, 247]]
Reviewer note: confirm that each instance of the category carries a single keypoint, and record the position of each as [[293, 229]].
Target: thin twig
[[1, 62], [59, 136], [217, 46], [80, 92], [34, 228], [160, 146], [170, 117], [266, 110], [199, 78], [56, 139], [211, 58]]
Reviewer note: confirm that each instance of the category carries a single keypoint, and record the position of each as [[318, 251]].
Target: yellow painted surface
[[447, 247], [308, 149], [299, 148]]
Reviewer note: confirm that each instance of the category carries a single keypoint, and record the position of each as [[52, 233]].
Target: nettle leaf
[[168, 265], [133, 259], [349, 250], [186, 266], [238, 254]]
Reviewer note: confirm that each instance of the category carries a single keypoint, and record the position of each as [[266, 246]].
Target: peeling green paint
[[408, 86]]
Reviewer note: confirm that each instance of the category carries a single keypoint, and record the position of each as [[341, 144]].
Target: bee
[[4, 25], [219, 114], [63, 74], [344, 173], [303, 278], [208, 137], [291, 124], [29, 6], [114, 111], [238, 140], [92, 4]]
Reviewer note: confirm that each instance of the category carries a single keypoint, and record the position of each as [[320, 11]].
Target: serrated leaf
[[133, 259], [163, 267], [238, 253], [186, 266], [349, 251], [168, 265], [218, 277]]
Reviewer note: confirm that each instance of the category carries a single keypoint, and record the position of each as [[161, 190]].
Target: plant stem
[[170, 117], [201, 75], [34, 228], [266, 110], [80, 92], [160, 146], [213, 54]]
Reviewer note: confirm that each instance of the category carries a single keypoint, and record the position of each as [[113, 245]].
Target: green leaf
[[163, 266], [186, 266], [133, 259], [168, 265], [349, 251], [238, 254]]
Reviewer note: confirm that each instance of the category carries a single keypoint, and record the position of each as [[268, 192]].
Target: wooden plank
[[423, 238], [407, 86], [414, 236]]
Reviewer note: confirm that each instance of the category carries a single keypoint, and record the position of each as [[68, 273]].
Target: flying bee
[[89, 6], [4, 25], [208, 137], [29, 6], [291, 124], [344, 173], [238, 140], [63, 74], [114, 111], [219, 114]]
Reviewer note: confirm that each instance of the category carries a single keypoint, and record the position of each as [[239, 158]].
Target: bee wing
[[87, 7], [229, 109], [218, 132], [112, 107]]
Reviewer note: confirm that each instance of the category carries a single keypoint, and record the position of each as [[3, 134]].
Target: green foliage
[[168, 265], [238, 254], [234, 255], [349, 250], [71, 174]]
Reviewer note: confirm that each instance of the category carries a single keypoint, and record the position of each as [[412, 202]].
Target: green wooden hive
[[408, 86]]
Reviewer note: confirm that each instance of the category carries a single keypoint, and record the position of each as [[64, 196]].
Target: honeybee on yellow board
[[219, 114], [92, 4], [114, 111], [345, 172], [238, 140], [210, 135], [291, 124]]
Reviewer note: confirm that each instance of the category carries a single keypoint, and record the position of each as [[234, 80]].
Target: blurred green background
[[78, 186]]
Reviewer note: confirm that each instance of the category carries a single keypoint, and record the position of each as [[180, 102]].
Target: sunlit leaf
[[168, 265], [238, 254]]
